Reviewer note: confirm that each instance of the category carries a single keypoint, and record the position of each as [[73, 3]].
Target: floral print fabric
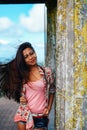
[[23, 113]]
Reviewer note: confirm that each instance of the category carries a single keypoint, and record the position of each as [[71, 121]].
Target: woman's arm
[[50, 102]]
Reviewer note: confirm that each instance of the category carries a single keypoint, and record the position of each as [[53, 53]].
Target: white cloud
[[9, 28], [3, 41], [34, 22], [12, 33], [5, 23]]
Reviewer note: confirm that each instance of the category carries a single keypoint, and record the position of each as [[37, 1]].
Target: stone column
[[51, 33], [71, 65], [51, 47]]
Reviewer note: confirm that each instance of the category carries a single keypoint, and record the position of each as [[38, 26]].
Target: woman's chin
[[33, 64]]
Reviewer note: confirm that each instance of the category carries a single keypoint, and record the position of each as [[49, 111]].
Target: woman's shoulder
[[47, 69]]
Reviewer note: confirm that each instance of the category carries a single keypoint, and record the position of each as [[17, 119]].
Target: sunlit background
[[20, 23]]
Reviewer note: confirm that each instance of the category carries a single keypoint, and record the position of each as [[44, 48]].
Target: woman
[[32, 83]]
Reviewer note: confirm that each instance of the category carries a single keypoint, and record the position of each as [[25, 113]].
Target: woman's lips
[[33, 60]]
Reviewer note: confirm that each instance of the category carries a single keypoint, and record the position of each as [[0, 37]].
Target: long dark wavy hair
[[14, 74]]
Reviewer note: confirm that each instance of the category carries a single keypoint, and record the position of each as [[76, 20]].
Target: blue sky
[[20, 23]]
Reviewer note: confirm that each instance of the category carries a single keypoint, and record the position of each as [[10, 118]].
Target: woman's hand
[[23, 100], [46, 111]]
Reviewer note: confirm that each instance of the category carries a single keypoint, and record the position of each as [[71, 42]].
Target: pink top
[[35, 95]]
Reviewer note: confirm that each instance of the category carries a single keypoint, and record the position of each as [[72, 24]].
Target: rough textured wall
[[80, 69], [71, 65], [64, 65], [51, 44], [51, 36]]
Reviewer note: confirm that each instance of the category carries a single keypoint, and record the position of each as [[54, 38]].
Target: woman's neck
[[33, 68], [34, 73]]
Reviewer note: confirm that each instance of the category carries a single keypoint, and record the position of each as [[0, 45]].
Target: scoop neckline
[[36, 80]]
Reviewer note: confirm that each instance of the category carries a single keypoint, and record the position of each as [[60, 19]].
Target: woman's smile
[[29, 56]]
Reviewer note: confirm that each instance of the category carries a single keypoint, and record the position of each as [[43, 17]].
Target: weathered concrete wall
[[64, 65], [51, 35], [51, 45], [70, 56]]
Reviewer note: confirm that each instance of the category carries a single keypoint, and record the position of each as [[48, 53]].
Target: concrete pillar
[[67, 47], [71, 67]]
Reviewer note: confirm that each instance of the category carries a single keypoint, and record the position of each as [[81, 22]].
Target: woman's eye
[[25, 56], [31, 53]]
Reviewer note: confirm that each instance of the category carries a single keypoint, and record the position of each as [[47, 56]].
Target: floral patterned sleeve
[[51, 79]]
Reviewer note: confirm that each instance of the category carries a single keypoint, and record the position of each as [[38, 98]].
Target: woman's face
[[29, 56]]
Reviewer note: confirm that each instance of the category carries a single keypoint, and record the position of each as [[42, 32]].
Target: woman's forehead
[[27, 50]]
